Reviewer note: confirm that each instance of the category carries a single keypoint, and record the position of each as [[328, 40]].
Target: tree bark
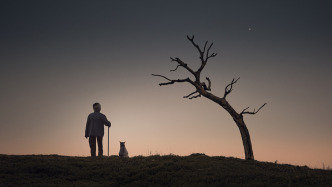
[[249, 155]]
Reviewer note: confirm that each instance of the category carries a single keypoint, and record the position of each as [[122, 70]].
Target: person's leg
[[92, 142], [100, 145]]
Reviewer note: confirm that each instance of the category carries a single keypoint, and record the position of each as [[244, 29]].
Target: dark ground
[[193, 170]]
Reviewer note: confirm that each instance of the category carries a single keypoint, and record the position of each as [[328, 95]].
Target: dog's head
[[122, 144]]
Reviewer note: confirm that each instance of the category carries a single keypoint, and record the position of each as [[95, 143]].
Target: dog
[[123, 150]]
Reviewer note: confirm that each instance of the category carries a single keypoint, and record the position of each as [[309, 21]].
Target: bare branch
[[175, 68], [208, 88], [181, 63], [212, 55], [194, 97], [244, 110], [171, 81], [209, 83], [190, 94], [197, 47], [207, 53], [156, 75], [205, 46], [229, 87], [203, 55], [253, 112]]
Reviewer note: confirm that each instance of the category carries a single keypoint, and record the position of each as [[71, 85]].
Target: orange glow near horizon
[[172, 129]]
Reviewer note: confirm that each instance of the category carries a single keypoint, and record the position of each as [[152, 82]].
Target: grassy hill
[[193, 170]]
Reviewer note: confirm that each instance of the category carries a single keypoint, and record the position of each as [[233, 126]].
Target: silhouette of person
[[95, 129]]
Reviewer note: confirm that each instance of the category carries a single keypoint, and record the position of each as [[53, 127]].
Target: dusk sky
[[59, 57]]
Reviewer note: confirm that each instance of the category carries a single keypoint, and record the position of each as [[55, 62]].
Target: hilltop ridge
[[169, 170]]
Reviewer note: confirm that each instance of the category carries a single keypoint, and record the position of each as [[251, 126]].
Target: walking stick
[[108, 150]]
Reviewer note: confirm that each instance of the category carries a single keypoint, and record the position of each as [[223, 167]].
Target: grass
[[171, 170]]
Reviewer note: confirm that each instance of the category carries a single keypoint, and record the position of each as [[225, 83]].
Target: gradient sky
[[59, 57]]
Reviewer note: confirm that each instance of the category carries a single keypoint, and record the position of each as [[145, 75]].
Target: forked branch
[[229, 87], [197, 47], [207, 53], [253, 112], [207, 88], [203, 54], [181, 63]]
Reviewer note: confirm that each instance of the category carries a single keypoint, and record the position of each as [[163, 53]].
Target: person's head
[[96, 107]]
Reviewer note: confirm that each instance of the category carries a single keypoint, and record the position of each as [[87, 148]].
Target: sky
[[57, 58]]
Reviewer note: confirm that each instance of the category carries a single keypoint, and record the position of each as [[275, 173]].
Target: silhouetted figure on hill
[[95, 129]]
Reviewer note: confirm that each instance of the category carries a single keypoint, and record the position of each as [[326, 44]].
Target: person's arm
[[87, 127], [106, 122]]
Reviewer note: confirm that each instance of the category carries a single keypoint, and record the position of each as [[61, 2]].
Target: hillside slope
[[193, 170]]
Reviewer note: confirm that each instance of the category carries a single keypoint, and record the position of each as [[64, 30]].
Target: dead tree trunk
[[238, 118], [204, 90], [249, 154]]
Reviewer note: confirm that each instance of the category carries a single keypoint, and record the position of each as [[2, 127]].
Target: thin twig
[[175, 68], [194, 97], [229, 87], [254, 112], [172, 81], [190, 94]]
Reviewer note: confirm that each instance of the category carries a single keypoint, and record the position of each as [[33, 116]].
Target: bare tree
[[203, 89]]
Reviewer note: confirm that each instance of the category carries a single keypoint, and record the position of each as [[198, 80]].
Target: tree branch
[[194, 97], [175, 68], [253, 112], [202, 53], [229, 87], [156, 75], [205, 46], [207, 88], [244, 110], [194, 44], [208, 51], [190, 94], [181, 63], [209, 83], [172, 81]]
